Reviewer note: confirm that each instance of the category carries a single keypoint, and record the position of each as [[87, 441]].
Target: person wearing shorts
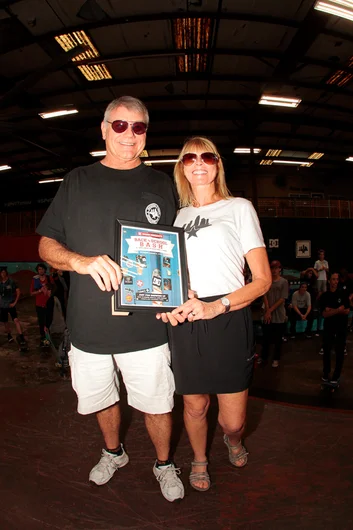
[[9, 296], [78, 235], [322, 267], [212, 339]]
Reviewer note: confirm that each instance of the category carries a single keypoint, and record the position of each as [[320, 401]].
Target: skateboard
[[22, 345], [330, 387]]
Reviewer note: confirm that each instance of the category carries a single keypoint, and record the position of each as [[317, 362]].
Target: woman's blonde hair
[[186, 196]]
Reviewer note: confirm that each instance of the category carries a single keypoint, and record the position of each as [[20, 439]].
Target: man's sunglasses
[[120, 126], [209, 158]]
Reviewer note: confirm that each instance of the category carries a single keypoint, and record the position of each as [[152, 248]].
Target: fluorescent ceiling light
[[4, 167], [56, 113], [165, 161], [349, 159], [266, 162], [340, 8], [293, 163], [47, 181], [104, 152], [274, 152], [316, 156], [246, 150], [98, 153], [94, 72], [193, 34], [278, 101]]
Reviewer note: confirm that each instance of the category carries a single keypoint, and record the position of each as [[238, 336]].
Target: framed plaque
[[153, 261]]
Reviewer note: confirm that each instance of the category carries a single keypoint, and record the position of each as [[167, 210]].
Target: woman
[[212, 349]]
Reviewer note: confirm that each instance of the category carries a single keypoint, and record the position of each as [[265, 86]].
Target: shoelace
[[168, 471]]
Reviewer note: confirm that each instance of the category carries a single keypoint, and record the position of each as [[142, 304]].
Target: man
[[41, 289], [9, 296], [275, 315], [335, 305], [79, 235], [301, 310], [321, 266]]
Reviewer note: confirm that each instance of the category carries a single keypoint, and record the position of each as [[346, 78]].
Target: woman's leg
[[195, 418], [231, 417]]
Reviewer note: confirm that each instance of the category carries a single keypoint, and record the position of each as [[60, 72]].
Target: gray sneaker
[[102, 472], [171, 486]]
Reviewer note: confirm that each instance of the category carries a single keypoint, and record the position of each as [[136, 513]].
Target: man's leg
[[293, 317], [340, 345], [150, 387], [159, 428], [266, 341], [109, 423], [96, 384], [277, 339], [327, 345], [309, 322], [41, 321]]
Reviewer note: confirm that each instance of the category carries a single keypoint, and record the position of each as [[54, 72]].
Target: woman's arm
[[195, 309]]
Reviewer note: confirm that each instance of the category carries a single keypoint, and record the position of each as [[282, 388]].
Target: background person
[[9, 296], [301, 310], [213, 347], [335, 307], [275, 315], [322, 267], [79, 236], [41, 288]]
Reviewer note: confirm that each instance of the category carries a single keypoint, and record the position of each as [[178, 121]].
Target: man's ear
[[103, 129]]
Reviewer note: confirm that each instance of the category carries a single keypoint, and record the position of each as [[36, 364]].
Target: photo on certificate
[[153, 262]]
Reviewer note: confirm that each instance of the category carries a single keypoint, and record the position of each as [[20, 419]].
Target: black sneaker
[[308, 336], [324, 379], [9, 337]]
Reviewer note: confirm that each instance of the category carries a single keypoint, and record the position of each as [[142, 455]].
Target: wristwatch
[[226, 303]]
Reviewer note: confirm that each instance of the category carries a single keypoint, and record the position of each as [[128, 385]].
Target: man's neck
[[120, 164]]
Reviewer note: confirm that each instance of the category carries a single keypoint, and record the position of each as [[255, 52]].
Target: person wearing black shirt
[[335, 305], [78, 235]]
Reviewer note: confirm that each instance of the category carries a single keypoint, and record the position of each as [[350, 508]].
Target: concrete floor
[[299, 475]]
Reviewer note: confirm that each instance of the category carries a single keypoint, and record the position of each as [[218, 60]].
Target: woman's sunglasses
[[120, 126], [209, 158]]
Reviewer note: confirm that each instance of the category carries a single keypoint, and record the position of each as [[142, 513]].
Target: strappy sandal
[[234, 458], [196, 476]]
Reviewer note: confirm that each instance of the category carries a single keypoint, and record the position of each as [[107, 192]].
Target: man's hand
[[267, 317], [12, 305], [105, 272]]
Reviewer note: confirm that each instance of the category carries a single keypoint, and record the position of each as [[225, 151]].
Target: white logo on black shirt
[[153, 213]]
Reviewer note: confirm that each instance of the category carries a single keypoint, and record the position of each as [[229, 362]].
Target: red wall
[[19, 248]]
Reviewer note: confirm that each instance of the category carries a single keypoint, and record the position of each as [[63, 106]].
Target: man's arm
[[105, 272], [279, 302], [18, 294], [295, 305], [330, 312]]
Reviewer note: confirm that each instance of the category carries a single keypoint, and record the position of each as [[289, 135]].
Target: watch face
[[225, 302]]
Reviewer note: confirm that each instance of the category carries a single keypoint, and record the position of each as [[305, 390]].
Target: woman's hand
[[193, 309]]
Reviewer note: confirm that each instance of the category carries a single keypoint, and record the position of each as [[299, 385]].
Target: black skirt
[[213, 356]]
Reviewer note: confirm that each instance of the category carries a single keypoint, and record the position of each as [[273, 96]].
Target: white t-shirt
[[301, 301], [318, 265], [217, 237]]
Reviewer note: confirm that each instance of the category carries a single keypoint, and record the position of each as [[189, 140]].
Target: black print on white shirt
[[192, 228]]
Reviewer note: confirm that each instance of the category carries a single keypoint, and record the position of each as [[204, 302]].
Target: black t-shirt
[[82, 216], [334, 300]]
